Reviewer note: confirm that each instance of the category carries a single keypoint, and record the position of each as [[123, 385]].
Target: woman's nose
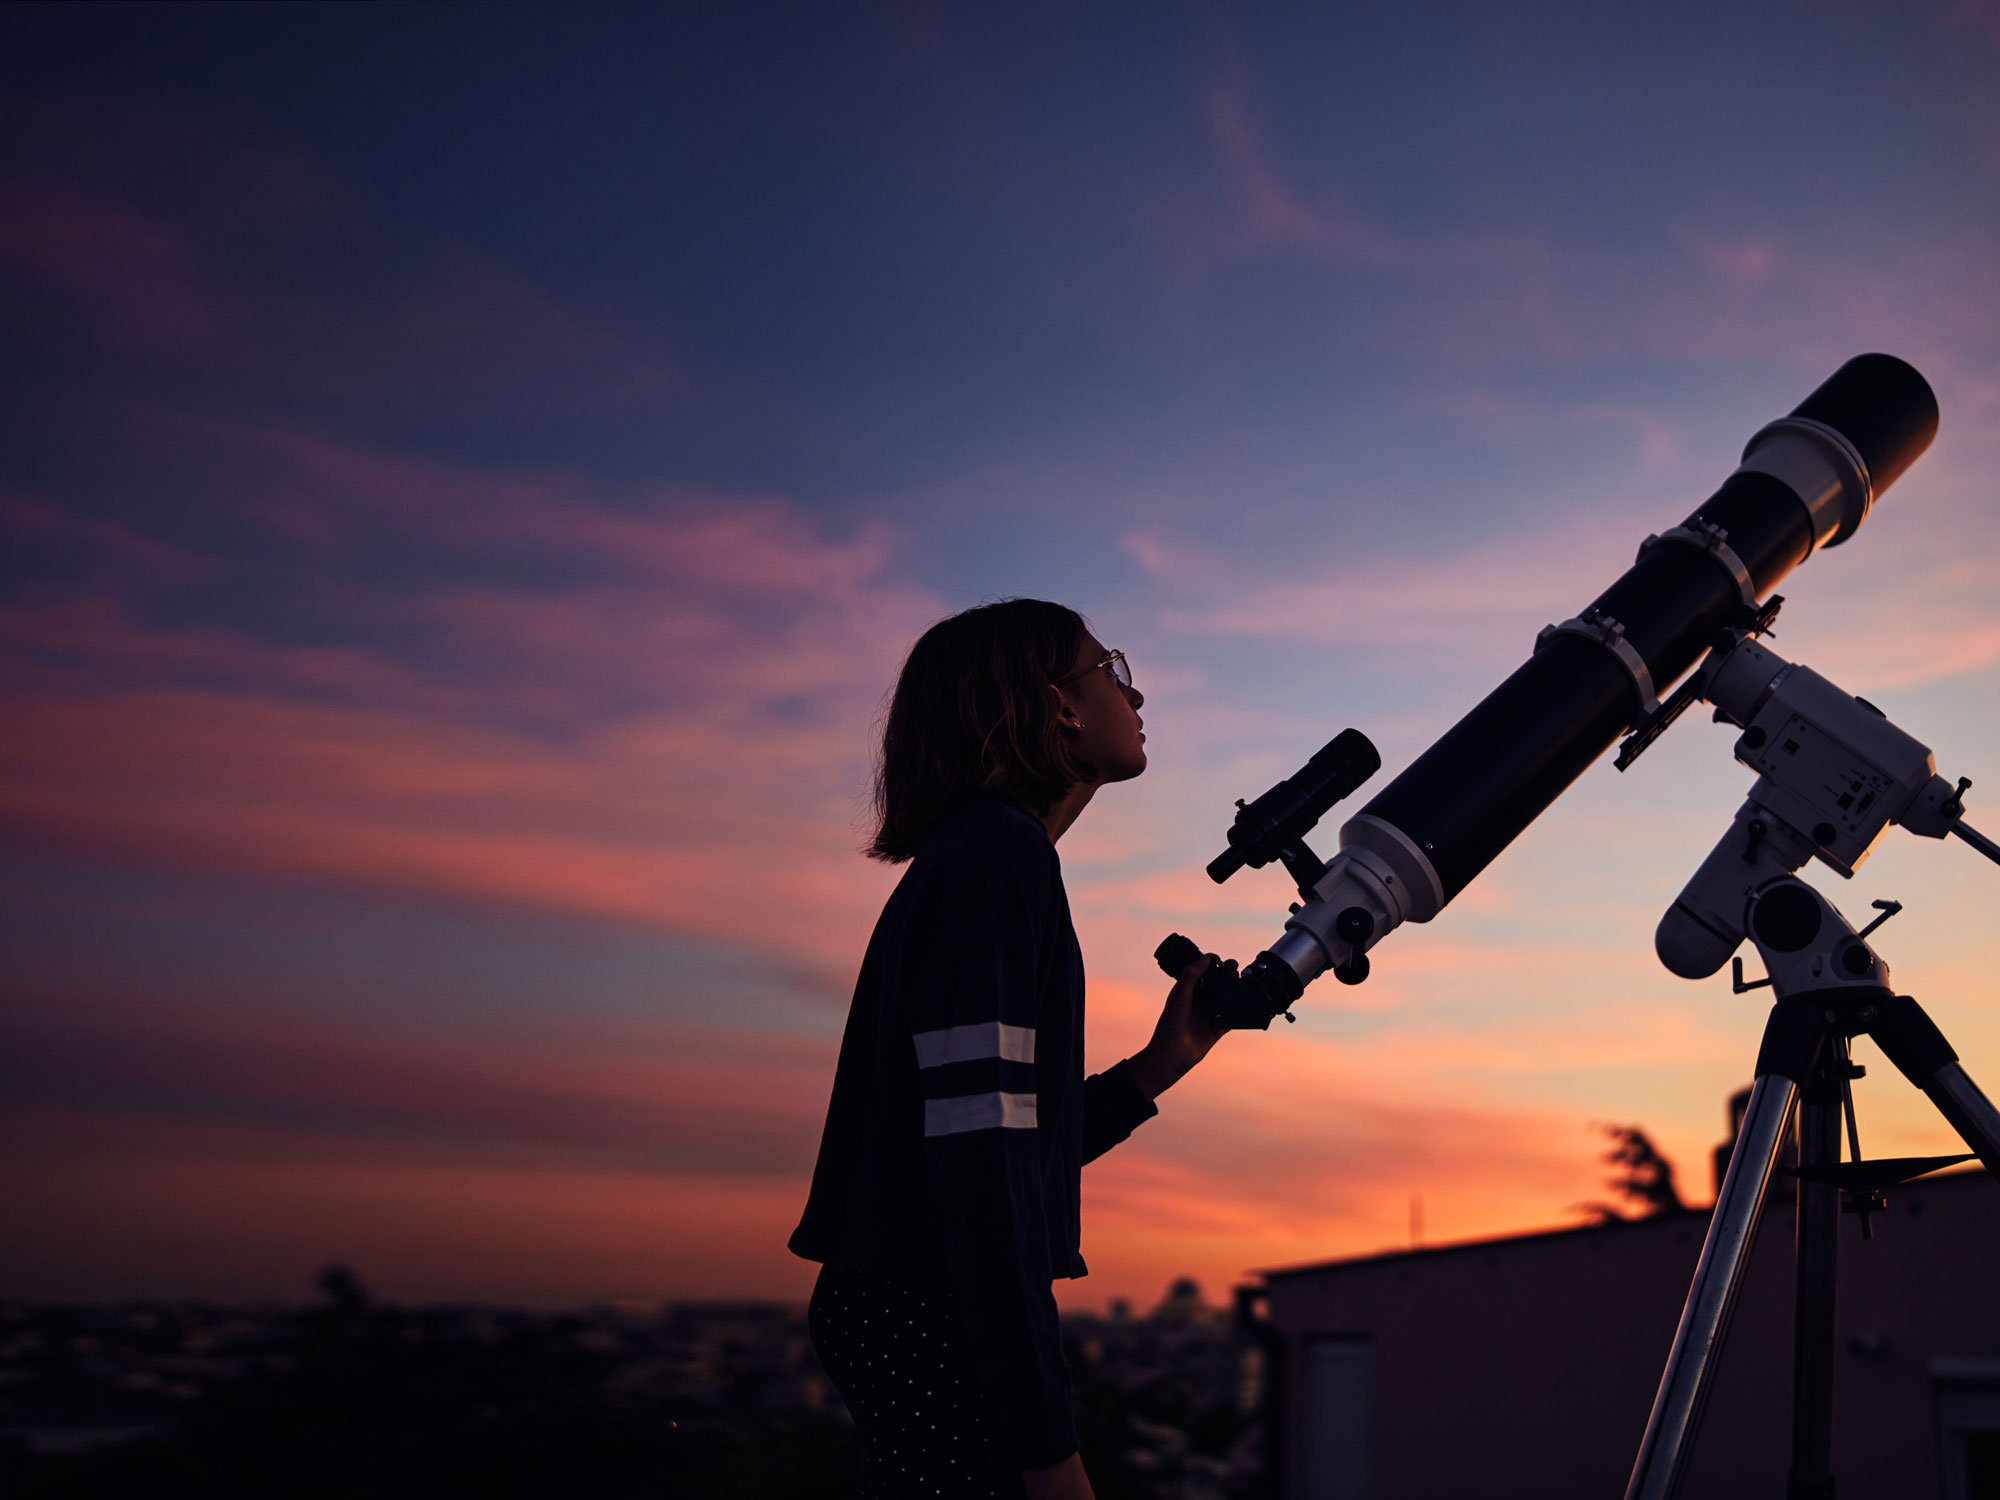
[[1135, 697]]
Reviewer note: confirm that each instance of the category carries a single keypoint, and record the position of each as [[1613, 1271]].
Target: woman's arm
[[1120, 1099]]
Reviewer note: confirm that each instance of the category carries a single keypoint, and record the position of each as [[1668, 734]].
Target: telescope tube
[[1806, 481]]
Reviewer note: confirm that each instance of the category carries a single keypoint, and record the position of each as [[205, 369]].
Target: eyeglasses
[[1121, 670]]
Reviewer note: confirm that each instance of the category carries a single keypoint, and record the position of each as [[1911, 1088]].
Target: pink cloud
[[1499, 585], [678, 738], [140, 278], [460, 327], [449, 326], [653, 1096], [1268, 212], [1739, 260], [1979, 19], [1910, 599], [107, 546], [669, 823], [1740, 295], [286, 1145]]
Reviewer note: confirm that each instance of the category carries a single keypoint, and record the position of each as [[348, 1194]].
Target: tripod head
[[1833, 774]]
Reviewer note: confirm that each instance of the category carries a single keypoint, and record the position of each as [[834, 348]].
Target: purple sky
[[470, 474]]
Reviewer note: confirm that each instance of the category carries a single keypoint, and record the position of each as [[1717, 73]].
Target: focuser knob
[[1225, 995], [1354, 927], [1176, 954]]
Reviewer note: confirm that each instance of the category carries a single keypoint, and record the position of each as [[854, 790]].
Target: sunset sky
[[470, 474]]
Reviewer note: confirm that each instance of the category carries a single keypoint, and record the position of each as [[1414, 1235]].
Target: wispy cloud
[[101, 267], [1907, 601], [1978, 19], [1737, 292], [1410, 602], [675, 691], [668, 1097], [325, 618], [134, 279], [1268, 212]]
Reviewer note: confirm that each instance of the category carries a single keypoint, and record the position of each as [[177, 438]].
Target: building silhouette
[[1527, 1365]]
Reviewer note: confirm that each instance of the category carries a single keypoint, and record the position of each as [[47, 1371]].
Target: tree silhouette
[[1643, 1178]]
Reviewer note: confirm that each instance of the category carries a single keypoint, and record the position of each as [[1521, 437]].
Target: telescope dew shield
[[1806, 481]]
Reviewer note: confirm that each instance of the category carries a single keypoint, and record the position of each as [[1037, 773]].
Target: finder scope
[[1275, 825], [1806, 481]]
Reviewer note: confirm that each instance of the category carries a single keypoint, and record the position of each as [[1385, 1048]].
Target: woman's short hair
[[973, 715]]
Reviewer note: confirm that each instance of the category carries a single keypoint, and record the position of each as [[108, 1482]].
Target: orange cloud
[[177, 1210], [650, 709], [247, 1149], [677, 739]]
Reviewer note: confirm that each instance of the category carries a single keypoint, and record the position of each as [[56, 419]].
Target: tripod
[[1830, 987]]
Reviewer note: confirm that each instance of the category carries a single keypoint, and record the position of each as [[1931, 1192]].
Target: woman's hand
[[1063, 1481], [1181, 1038]]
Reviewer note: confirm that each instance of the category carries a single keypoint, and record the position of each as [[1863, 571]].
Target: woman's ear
[[1066, 715]]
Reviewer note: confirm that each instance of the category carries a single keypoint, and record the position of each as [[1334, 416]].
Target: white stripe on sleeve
[[975, 1043], [968, 1112]]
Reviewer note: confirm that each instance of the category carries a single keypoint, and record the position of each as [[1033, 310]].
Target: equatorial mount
[[1830, 986]]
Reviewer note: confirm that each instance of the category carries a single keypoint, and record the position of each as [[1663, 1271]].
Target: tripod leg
[[1791, 1042], [1970, 1112], [1915, 1045], [1818, 1252]]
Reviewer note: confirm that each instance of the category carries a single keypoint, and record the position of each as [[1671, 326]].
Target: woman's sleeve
[[974, 1032], [1113, 1107]]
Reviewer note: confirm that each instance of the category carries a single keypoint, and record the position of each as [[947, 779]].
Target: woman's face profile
[[1111, 736]]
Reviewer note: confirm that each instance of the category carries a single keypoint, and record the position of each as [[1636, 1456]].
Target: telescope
[[1806, 481], [1833, 774]]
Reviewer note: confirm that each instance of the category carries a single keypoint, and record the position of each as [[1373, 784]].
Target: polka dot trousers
[[896, 1352]]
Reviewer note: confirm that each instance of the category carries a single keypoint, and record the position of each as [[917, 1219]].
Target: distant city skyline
[[470, 475]]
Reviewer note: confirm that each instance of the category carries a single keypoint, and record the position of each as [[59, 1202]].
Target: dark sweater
[[961, 1119]]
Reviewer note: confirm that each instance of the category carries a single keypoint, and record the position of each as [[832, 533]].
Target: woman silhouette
[[945, 1199]]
